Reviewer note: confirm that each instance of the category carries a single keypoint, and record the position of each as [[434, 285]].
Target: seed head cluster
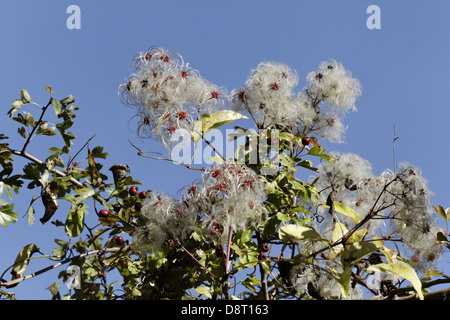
[[228, 197], [168, 94], [269, 97], [401, 202]]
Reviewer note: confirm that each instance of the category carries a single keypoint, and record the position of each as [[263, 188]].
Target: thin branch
[[87, 142], [196, 260], [143, 154], [55, 171], [36, 125], [18, 280]]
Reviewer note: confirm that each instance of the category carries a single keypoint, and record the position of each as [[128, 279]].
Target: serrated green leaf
[[97, 152], [7, 215], [80, 196], [402, 270]]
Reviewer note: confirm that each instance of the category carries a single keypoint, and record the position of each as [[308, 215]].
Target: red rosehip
[[306, 141], [119, 240], [138, 206], [265, 247], [142, 195], [262, 256], [170, 242], [133, 191], [103, 213]]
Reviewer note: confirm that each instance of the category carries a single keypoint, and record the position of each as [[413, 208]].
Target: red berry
[[306, 141], [133, 191], [119, 240], [103, 213], [215, 229], [138, 206], [142, 195], [170, 242], [265, 247], [262, 256]]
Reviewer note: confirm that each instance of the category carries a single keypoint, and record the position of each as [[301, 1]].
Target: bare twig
[[143, 154]]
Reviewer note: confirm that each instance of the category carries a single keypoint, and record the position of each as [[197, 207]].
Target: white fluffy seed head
[[268, 95], [162, 85]]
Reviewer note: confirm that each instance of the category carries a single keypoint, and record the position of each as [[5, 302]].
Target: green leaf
[[93, 170], [70, 99], [402, 270], [25, 96], [60, 252], [250, 283], [97, 152], [17, 104], [56, 106], [443, 213], [291, 232], [246, 236], [75, 222], [80, 196], [22, 260], [355, 252], [7, 214], [319, 152], [31, 211], [441, 238]]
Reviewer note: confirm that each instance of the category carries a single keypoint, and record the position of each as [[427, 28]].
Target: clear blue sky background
[[403, 69]]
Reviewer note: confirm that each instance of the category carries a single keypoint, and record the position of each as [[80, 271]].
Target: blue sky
[[403, 69]]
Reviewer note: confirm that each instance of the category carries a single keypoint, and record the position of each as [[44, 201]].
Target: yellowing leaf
[[204, 290], [346, 211], [292, 232], [208, 122], [443, 213], [343, 280], [402, 270], [355, 252], [390, 254]]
